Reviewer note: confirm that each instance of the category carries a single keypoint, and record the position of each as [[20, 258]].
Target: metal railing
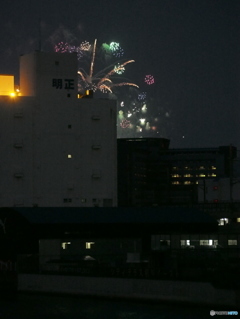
[[218, 266]]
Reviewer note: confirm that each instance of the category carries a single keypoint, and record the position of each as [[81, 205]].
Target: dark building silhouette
[[143, 179], [189, 166], [151, 174]]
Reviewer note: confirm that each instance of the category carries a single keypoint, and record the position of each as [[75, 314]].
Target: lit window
[[223, 221], [232, 242], [203, 242], [69, 156], [182, 242], [176, 175], [89, 244], [176, 183], [213, 167], [208, 242], [202, 175], [201, 167], [187, 183], [188, 175], [212, 175], [186, 244], [65, 244], [238, 220]]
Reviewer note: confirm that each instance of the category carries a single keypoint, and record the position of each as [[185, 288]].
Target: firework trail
[[103, 79], [93, 58]]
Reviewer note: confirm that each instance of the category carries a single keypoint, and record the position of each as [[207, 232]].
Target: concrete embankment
[[138, 289]]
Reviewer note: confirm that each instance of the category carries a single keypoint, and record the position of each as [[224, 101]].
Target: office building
[[57, 148], [151, 174], [143, 179]]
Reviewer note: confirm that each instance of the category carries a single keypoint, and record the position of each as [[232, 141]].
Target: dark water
[[40, 306]]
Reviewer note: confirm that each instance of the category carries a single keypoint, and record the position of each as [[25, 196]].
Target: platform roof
[[101, 215], [26, 226]]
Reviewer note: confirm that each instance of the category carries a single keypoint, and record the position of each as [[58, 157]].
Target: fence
[[218, 266]]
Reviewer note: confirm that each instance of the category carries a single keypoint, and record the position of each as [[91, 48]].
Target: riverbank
[[56, 306], [196, 293]]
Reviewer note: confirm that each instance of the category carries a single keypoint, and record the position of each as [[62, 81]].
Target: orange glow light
[[7, 85]]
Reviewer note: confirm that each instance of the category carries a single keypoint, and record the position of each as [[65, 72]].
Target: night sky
[[191, 47]]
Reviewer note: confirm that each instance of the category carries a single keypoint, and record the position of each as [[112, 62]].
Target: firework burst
[[103, 80], [61, 47], [116, 50], [85, 46], [149, 79], [125, 123], [119, 69], [142, 96]]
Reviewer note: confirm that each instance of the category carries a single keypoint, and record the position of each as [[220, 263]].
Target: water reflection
[[39, 306]]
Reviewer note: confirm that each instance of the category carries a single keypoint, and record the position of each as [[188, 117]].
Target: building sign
[[66, 84]]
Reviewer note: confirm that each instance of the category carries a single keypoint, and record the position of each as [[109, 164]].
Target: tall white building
[[56, 149]]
